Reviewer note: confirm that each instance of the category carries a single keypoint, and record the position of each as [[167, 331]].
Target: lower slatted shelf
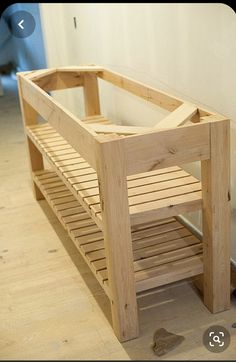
[[164, 251]]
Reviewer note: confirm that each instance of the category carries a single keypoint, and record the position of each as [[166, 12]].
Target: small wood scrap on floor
[[164, 341]]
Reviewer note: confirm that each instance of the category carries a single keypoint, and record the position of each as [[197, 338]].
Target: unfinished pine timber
[[119, 190], [29, 116]]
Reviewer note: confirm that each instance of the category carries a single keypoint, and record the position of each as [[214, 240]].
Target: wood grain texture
[[64, 122], [59, 80], [141, 90], [117, 238], [167, 148], [110, 189], [60, 167], [216, 216], [124, 130], [29, 116], [152, 195], [38, 74], [163, 250], [178, 117], [81, 68], [91, 95]]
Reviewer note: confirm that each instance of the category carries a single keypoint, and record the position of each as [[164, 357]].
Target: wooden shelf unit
[[118, 189]]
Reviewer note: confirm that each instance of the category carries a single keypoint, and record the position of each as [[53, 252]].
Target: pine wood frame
[[187, 134]]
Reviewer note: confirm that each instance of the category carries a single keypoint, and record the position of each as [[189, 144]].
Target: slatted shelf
[[152, 195], [163, 251]]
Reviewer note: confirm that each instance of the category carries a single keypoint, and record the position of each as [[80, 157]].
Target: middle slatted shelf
[[152, 195]]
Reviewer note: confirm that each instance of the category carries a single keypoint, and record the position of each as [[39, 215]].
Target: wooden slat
[[72, 175], [72, 211], [98, 121], [141, 195], [149, 240], [168, 181], [153, 173], [150, 265], [125, 130], [93, 119], [144, 190], [70, 208], [81, 68], [178, 117], [138, 180], [57, 170], [153, 250], [158, 209], [39, 73], [64, 151], [163, 250], [139, 186], [163, 243], [60, 194], [165, 208], [169, 273]]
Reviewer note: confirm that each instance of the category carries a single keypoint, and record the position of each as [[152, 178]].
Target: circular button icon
[[21, 24], [216, 339]]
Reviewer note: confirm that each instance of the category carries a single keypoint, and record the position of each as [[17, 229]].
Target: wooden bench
[[118, 190]]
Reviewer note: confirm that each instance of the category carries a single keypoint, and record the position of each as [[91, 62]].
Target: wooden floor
[[52, 307]]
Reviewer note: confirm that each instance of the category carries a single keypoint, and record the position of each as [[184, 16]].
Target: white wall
[[188, 50]]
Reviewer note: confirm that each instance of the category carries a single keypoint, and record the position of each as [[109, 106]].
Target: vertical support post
[[91, 95], [216, 219], [111, 169], [29, 116]]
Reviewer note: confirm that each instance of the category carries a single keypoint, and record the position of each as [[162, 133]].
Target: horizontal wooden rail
[[79, 135], [141, 90], [60, 80], [125, 130], [167, 148]]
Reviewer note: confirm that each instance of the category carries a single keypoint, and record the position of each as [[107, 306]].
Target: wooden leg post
[[36, 164], [117, 237], [35, 157], [216, 216], [91, 95]]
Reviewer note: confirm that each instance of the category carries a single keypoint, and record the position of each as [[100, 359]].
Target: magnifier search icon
[[216, 339]]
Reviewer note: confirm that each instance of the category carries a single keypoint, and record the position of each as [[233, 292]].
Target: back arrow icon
[[20, 24]]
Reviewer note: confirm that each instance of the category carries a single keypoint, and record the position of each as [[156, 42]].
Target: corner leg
[[216, 219], [117, 238]]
